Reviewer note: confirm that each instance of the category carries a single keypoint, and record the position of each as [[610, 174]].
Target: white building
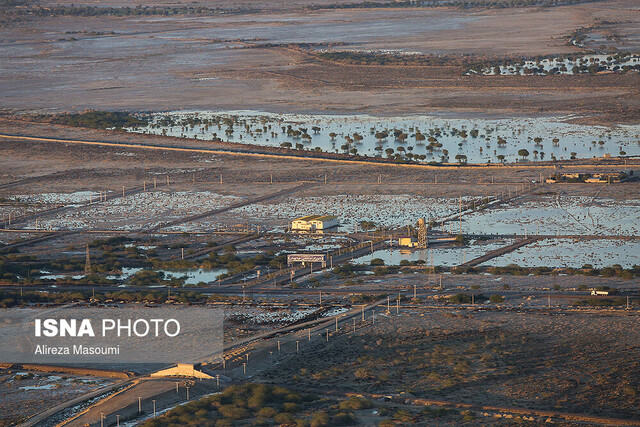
[[314, 223]]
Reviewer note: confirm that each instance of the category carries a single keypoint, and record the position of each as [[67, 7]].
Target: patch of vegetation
[[460, 4], [16, 299], [523, 362], [601, 302], [259, 404], [98, 119]]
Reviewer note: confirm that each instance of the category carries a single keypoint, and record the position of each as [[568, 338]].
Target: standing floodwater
[[418, 138]]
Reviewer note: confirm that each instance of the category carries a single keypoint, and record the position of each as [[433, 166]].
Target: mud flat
[[254, 60]]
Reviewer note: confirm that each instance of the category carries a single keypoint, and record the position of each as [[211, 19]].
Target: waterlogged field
[[438, 256], [418, 138], [569, 215], [573, 253], [383, 210], [133, 211], [561, 65], [191, 276]]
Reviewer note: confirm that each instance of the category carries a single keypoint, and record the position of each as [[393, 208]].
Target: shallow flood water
[[192, 276], [557, 215], [434, 137], [439, 256], [573, 253]]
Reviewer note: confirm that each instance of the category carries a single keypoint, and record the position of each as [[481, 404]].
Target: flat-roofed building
[[313, 223]]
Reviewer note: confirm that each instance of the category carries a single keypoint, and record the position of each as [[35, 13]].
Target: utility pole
[[154, 408], [139, 405]]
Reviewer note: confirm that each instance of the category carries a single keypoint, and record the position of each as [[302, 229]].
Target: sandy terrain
[[554, 361], [34, 392], [220, 62]]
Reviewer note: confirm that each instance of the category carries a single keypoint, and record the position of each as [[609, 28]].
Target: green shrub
[[267, 412], [284, 418], [320, 419], [343, 419], [496, 299], [355, 403]]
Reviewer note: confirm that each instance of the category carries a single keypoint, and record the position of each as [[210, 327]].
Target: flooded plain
[[435, 256], [554, 215], [562, 65], [573, 253], [423, 138]]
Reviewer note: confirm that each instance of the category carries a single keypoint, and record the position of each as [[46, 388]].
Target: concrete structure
[[608, 177], [599, 177], [313, 223], [307, 259], [183, 370], [408, 242]]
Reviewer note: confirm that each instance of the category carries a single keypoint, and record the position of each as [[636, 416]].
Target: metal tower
[[87, 263], [422, 233]]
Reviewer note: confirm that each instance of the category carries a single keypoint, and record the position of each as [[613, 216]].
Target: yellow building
[[312, 223], [408, 242]]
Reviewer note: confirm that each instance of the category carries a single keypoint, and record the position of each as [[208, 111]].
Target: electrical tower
[[87, 263], [422, 233]]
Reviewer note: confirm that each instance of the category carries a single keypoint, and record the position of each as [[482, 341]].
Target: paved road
[[255, 151], [500, 251]]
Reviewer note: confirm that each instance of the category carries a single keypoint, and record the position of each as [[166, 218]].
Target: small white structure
[[182, 370], [600, 293], [312, 223]]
